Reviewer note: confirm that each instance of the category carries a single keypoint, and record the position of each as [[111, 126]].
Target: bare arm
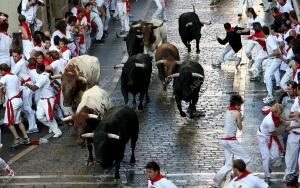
[[32, 87], [239, 120], [29, 4]]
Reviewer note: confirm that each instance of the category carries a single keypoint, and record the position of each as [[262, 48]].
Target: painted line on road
[[26, 151], [59, 183], [56, 176]]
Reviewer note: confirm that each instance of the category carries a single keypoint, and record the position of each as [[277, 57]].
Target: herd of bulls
[[107, 129]]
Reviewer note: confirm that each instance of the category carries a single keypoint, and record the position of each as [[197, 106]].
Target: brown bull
[[167, 62]]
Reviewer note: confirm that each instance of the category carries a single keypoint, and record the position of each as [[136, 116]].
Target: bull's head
[[134, 39], [73, 83], [105, 146], [170, 66], [81, 121], [148, 33]]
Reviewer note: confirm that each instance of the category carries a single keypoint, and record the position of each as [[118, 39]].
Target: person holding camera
[[29, 10]]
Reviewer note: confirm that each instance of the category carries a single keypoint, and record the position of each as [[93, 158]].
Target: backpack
[[19, 9]]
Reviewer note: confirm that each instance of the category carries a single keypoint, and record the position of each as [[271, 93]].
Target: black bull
[[134, 40], [136, 77], [118, 125], [187, 84]]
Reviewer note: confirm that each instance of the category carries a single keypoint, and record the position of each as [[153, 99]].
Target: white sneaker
[[238, 62], [50, 130], [251, 61], [268, 99], [57, 135]]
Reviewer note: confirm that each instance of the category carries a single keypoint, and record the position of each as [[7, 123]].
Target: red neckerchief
[[157, 177], [243, 175], [233, 108], [77, 7], [64, 49], [27, 29], [38, 44], [229, 30], [7, 73], [31, 67], [79, 18], [276, 120], [63, 32], [47, 62], [278, 14]]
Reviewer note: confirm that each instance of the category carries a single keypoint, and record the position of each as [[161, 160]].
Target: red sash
[[57, 97], [31, 67], [275, 139], [243, 175], [233, 108], [229, 138], [27, 29], [128, 8], [50, 110], [10, 109]]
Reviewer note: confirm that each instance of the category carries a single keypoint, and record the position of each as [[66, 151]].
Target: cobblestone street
[[187, 151]]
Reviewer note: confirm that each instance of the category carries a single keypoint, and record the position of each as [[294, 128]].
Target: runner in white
[[269, 145], [244, 179], [233, 121], [5, 44], [10, 83], [21, 70], [44, 111]]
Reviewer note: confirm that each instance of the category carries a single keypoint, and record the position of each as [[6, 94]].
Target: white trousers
[[292, 153], [42, 115], [231, 148], [249, 3], [107, 18], [97, 20], [258, 60], [27, 108], [17, 106], [62, 111], [268, 155], [160, 12], [249, 47], [87, 40], [124, 18], [271, 67], [266, 4], [288, 75], [228, 54]]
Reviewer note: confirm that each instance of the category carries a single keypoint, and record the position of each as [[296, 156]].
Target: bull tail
[[193, 8]]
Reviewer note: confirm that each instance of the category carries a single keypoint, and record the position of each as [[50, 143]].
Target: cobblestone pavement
[[188, 151]]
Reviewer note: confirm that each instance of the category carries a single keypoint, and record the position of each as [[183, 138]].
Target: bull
[[187, 84], [94, 103], [81, 73], [134, 40], [167, 62], [154, 33], [135, 77], [190, 28], [118, 125]]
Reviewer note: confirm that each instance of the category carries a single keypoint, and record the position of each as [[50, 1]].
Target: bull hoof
[[198, 51], [140, 107], [183, 114]]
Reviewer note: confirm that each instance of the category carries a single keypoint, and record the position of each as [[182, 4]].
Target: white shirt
[[5, 45], [162, 183], [44, 84], [286, 35], [21, 70], [271, 44], [58, 67], [267, 126], [285, 8], [249, 181], [33, 75], [53, 48], [296, 106], [30, 13], [12, 85], [61, 35], [230, 124], [66, 55]]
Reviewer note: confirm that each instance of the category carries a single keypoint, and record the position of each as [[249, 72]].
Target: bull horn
[[82, 79], [139, 36], [179, 62], [189, 24], [56, 77], [136, 25], [68, 118], [93, 116], [197, 75], [119, 66], [206, 22], [114, 136], [139, 65], [173, 75], [88, 135], [161, 61]]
